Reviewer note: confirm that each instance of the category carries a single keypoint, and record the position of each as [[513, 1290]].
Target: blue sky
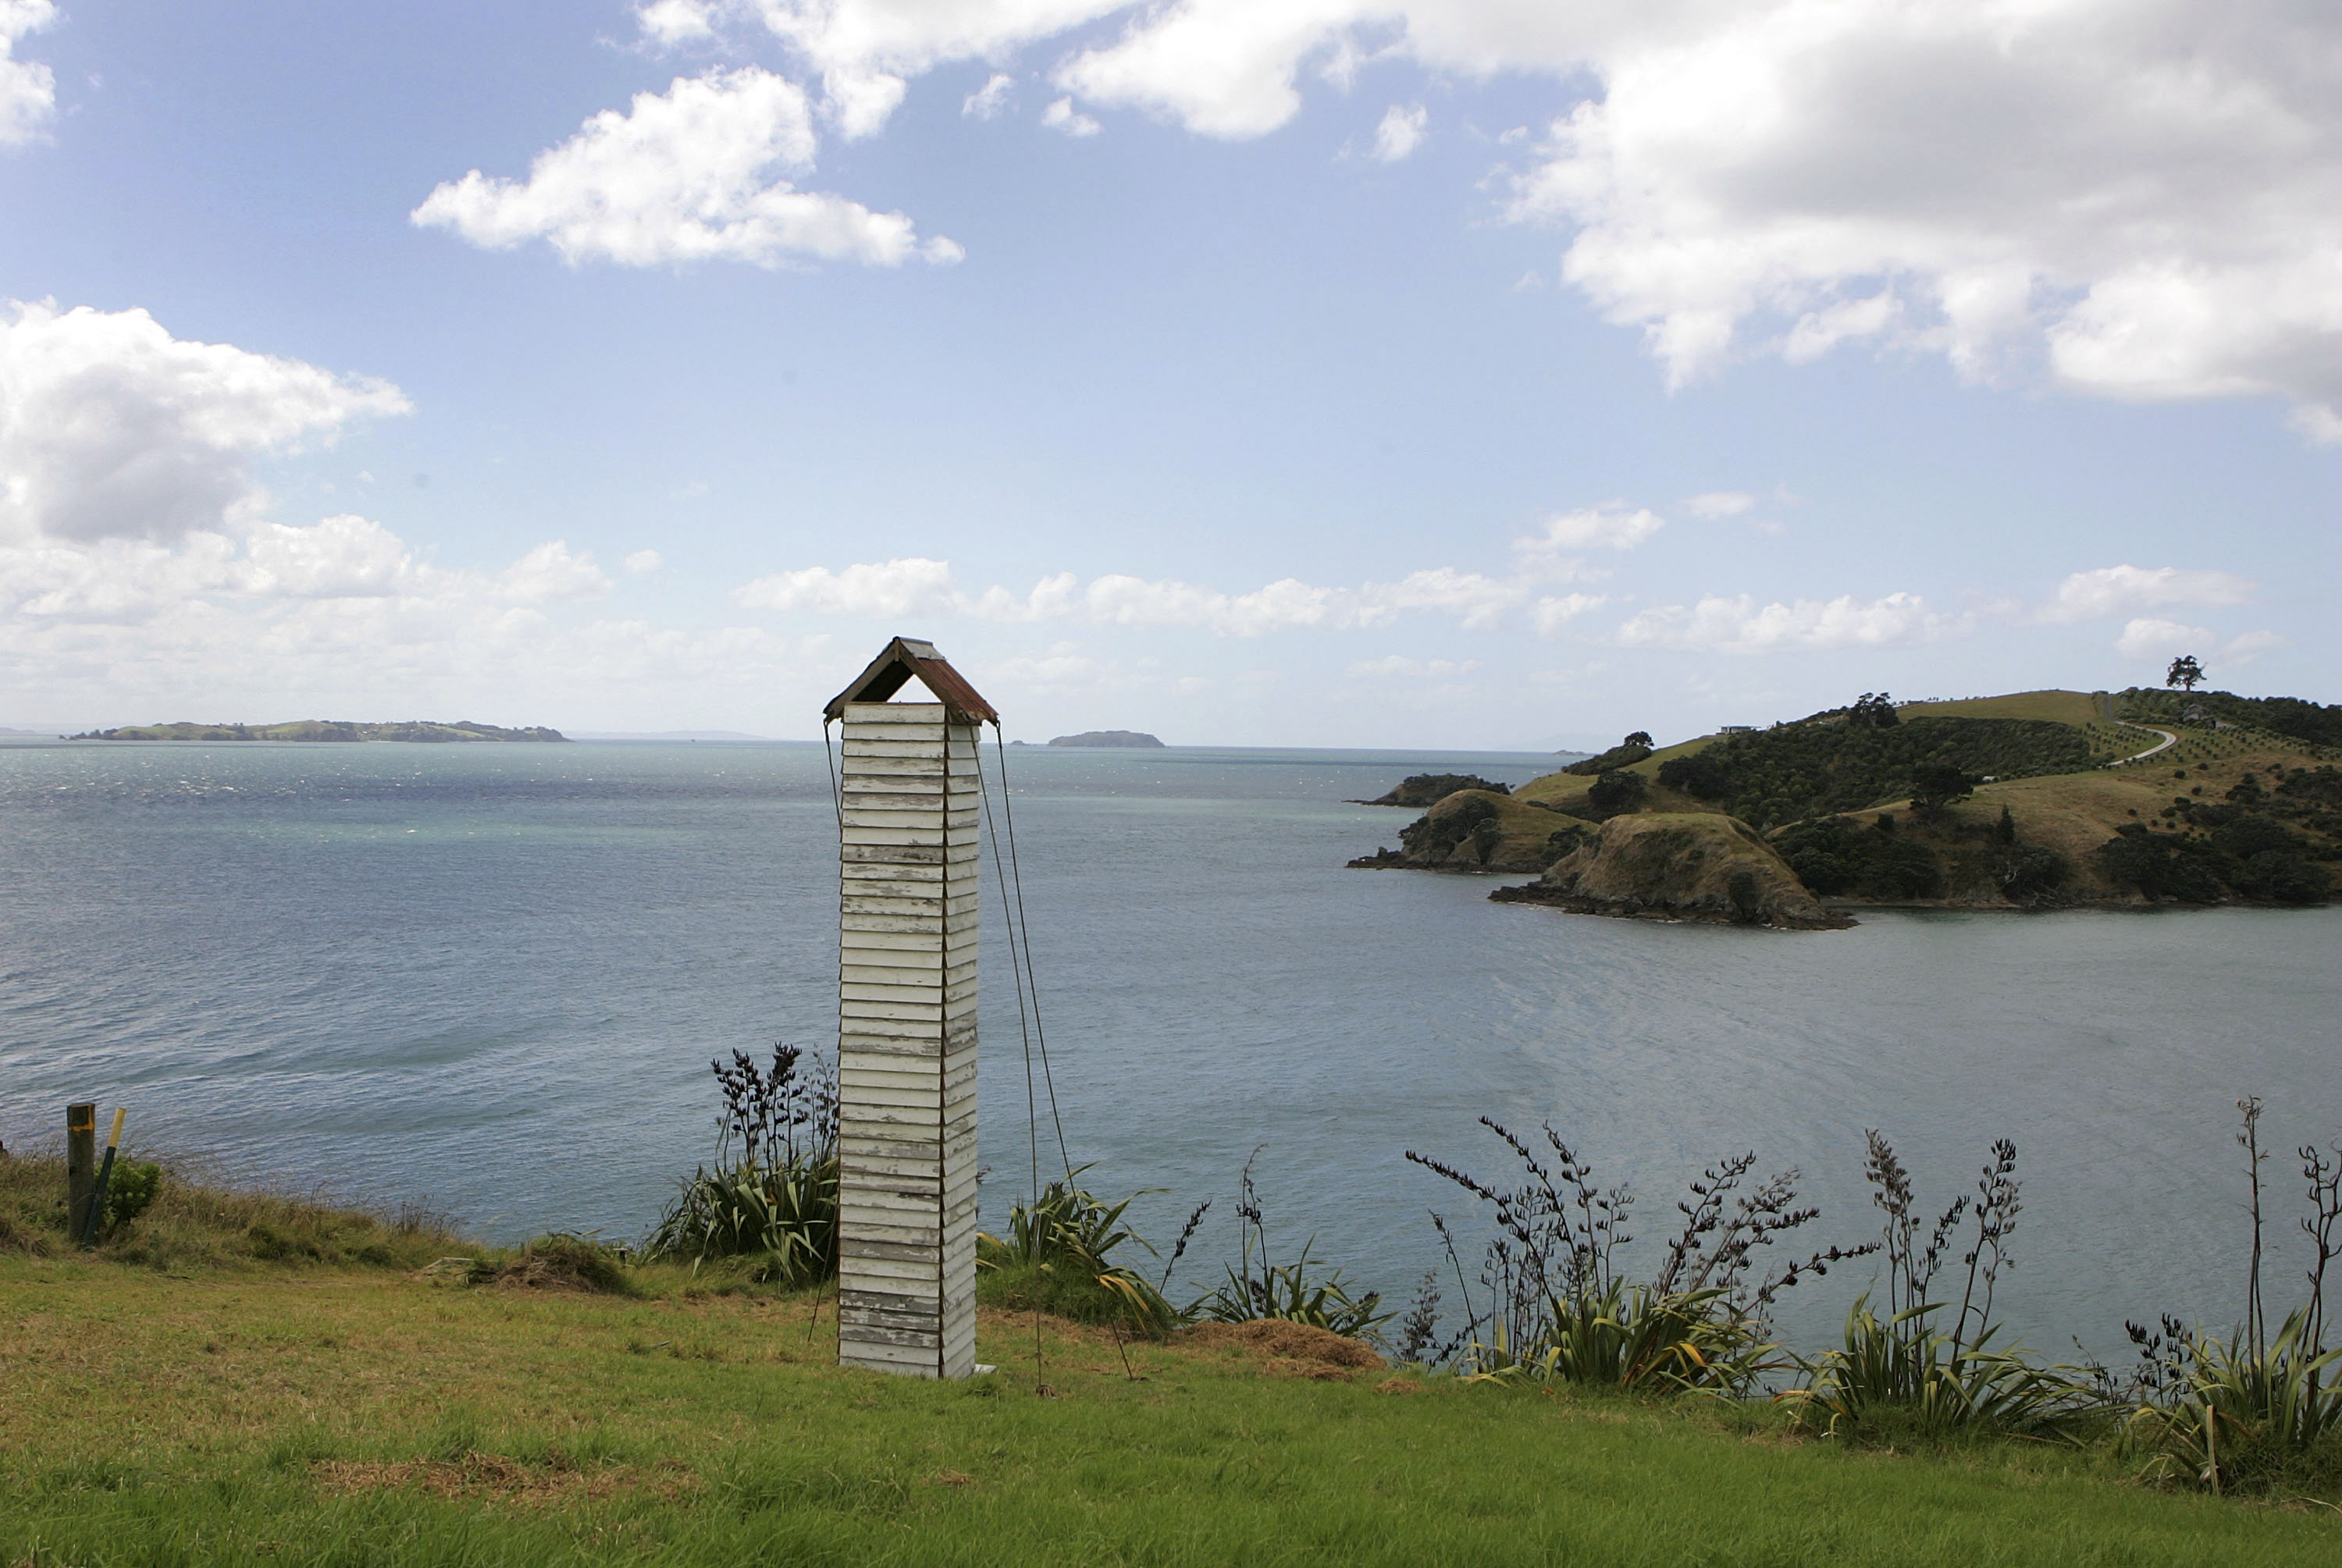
[[1299, 371]]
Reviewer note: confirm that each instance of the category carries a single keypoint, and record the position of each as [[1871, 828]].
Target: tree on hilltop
[[2185, 672], [1875, 710], [1639, 738]]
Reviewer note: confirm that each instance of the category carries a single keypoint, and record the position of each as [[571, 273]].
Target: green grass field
[[334, 1414], [2078, 708]]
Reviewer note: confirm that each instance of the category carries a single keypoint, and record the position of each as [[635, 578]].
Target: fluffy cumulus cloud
[[138, 564], [28, 89], [2136, 195], [2110, 591], [1739, 624], [112, 428], [2135, 198], [698, 172], [910, 586]]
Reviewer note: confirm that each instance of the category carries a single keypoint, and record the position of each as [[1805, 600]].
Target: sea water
[[490, 979]]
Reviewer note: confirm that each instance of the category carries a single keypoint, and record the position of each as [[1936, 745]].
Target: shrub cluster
[[1817, 767], [2239, 847], [1435, 836], [1634, 748]]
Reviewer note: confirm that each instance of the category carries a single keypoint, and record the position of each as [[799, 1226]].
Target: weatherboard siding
[[906, 1040]]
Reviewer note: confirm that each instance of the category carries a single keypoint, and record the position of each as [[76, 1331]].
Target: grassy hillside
[[287, 1409], [2232, 811], [2054, 706]]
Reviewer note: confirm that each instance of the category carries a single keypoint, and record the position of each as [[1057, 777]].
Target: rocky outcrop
[[1477, 830], [1421, 790], [1674, 866]]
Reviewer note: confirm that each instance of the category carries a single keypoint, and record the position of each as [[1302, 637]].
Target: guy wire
[[837, 805], [1024, 1028], [1033, 984], [1008, 815]]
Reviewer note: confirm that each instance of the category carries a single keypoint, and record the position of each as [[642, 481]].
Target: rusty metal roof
[[902, 658]]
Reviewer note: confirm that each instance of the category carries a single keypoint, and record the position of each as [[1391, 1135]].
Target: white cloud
[[1061, 115], [344, 557], [1614, 525], [342, 618], [2134, 195], [2150, 637], [112, 428], [644, 561], [2110, 591], [28, 90], [1741, 625], [1720, 504], [1400, 131], [552, 574], [1477, 602], [918, 585], [669, 23], [1555, 613], [909, 585], [989, 99], [694, 174], [2145, 637], [270, 571], [2130, 197]]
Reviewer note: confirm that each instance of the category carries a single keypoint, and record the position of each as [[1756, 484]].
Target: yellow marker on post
[[104, 1175]]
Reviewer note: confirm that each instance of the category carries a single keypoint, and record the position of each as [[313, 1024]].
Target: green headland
[[2044, 799]]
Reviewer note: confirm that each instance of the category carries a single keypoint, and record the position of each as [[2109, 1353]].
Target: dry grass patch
[[1283, 1349], [553, 1482]]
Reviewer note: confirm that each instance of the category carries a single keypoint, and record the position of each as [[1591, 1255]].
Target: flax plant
[[2250, 1409], [1911, 1368], [1257, 1288], [772, 1197], [1058, 1254], [1562, 1308]]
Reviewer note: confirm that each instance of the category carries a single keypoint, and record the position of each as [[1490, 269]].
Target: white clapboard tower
[[906, 1017]]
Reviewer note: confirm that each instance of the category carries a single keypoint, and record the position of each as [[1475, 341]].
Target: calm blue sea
[[491, 978]]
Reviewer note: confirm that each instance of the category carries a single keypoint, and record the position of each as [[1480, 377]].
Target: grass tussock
[[184, 1225]]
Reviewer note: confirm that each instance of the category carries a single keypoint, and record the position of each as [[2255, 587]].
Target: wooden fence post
[[81, 1164]]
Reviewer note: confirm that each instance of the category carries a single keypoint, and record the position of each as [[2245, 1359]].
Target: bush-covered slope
[[2319, 724], [1808, 770]]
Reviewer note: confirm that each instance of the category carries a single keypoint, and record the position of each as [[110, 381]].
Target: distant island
[[2031, 800], [1123, 738], [428, 731]]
